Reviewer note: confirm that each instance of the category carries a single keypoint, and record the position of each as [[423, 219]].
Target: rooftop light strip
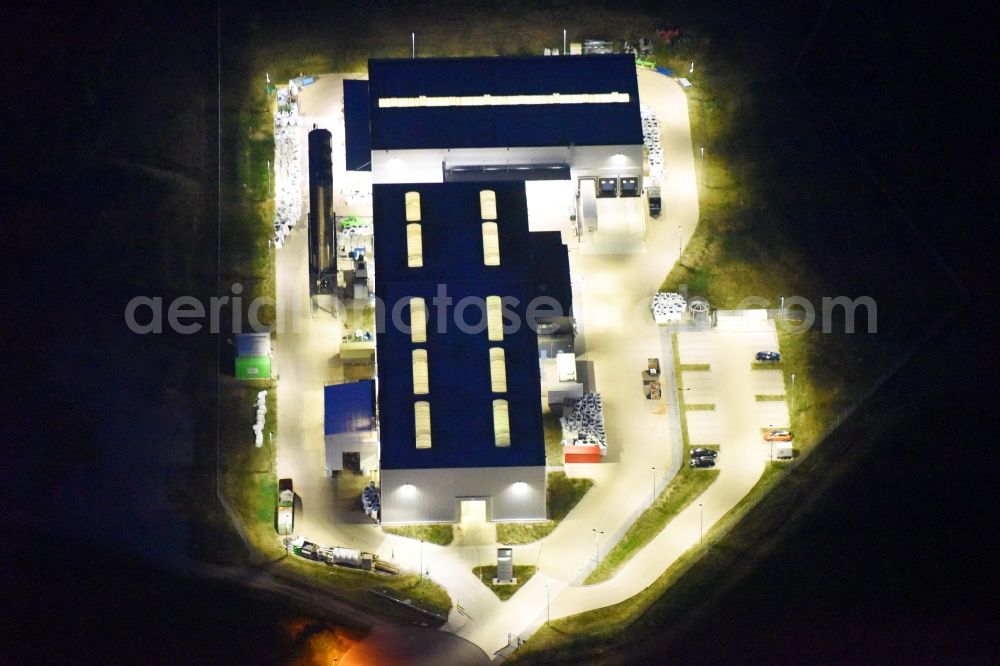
[[503, 100]]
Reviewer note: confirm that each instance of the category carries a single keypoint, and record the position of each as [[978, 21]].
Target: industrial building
[[460, 423], [479, 166], [569, 127], [253, 356], [350, 438]]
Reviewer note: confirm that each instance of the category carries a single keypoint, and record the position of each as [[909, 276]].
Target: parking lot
[[745, 398]]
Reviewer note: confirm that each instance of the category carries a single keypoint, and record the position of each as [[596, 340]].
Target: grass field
[[437, 533], [522, 573], [679, 493], [562, 494]]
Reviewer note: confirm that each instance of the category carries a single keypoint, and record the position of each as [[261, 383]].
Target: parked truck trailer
[[286, 507]]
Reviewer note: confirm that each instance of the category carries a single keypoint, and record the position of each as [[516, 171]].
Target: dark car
[[768, 356], [704, 461], [701, 453]]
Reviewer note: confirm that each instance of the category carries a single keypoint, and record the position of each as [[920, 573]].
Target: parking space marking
[[704, 427], [773, 412], [768, 382], [694, 348], [699, 388]]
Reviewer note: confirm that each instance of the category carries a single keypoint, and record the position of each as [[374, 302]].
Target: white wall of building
[[364, 442], [434, 495], [425, 165]]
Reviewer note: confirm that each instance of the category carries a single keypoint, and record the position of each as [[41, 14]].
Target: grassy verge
[[695, 367], [604, 630], [679, 493], [678, 378], [522, 573], [768, 398], [562, 494], [553, 439], [766, 365], [250, 484], [441, 534], [248, 473], [699, 407], [353, 586]]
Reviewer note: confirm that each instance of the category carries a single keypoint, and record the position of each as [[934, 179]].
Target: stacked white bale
[[668, 307], [651, 139], [258, 426], [584, 425], [287, 181]]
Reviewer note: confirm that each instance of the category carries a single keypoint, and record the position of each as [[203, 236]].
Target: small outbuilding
[[253, 356], [349, 426]]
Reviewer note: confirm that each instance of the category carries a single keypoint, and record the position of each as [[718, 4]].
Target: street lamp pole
[[597, 544], [652, 495], [771, 435], [413, 45], [564, 41], [793, 391], [548, 605], [701, 523], [421, 558]]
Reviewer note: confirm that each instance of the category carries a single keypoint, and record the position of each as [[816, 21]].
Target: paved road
[[617, 335]]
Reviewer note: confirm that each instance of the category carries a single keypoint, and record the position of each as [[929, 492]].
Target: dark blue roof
[[460, 394], [493, 126], [452, 232], [550, 268], [349, 407], [358, 144]]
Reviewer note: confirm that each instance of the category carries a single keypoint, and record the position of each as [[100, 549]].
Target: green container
[[253, 367]]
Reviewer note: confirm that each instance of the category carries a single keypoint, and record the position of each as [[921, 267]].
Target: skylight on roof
[[501, 423], [414, 246], [412, 206], [418, 320], [420, 385], [494, 318], [422, 423], [488, 204], [498, 370], [491, 244]]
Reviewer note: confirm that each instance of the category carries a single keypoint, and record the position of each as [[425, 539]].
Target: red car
[[778, 436]]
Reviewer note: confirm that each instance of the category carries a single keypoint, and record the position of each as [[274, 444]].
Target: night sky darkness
[[895, 562]]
